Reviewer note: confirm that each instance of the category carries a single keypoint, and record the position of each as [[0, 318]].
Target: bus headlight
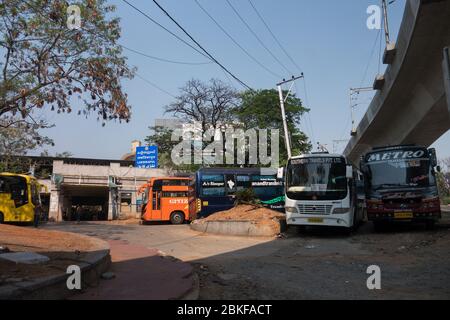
[[291, 209], [341, 210]]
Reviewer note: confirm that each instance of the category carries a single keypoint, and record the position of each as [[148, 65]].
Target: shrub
[[246, 196]]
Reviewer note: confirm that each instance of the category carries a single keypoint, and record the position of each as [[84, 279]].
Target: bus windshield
[[316, 178], [401, 172]]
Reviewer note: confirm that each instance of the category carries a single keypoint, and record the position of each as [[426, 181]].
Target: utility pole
[[390, 51], [386, 23], [336, 142], [283, 111], [446, 72], [354, 91]]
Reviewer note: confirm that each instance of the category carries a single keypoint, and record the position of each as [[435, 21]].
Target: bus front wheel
[[177, 217]]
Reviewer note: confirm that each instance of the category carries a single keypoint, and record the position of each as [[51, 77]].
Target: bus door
[[156, 194]]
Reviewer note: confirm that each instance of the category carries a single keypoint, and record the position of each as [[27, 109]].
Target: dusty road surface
[[317, 263]]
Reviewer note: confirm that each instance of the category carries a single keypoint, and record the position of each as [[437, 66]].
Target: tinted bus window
[[266, 186], [243, 182], [175, 182], [213, 185], [175, 194], [157, 185]]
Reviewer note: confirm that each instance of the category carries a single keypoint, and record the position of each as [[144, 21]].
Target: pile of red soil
[[269, 220], [247, 213]]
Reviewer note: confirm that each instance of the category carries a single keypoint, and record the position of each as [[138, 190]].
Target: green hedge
[[446, 200]]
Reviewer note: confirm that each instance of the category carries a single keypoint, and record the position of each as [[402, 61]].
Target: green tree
[[208, 104], [443, 180], [162, 137], [48, 64], [261, 109]]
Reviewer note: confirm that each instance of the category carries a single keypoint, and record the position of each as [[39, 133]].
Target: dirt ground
[[318, 263], [323, 264], [62, 248]]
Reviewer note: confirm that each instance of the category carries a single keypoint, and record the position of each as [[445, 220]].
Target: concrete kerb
[[54, 287], [237, 228]]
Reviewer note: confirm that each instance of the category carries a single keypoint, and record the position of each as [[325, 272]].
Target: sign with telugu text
[[146, 157]]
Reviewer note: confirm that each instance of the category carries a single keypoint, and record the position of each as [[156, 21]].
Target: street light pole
[[352, 92], [283, 112]]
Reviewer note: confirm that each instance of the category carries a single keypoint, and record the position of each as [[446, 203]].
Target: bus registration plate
[[315, 220], [403, 215]]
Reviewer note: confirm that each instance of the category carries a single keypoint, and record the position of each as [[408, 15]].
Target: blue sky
[[328, 39]]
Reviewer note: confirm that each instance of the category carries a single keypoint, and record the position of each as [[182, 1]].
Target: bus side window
[[3, 186], [213, 185], [157, 185], [19, 193], [243, 182]]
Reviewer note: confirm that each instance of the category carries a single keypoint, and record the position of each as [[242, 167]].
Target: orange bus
[[168, 199]]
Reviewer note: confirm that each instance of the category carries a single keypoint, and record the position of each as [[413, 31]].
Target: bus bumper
[[332, 220], [401, 216]]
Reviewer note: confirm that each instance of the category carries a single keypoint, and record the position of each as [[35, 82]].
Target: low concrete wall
[[238, 228]]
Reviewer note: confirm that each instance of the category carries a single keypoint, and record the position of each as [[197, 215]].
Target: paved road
[[319, 263]]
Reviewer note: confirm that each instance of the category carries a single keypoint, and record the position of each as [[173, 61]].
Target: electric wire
[[236, 43], [163, 59], [200, 46], [258, 38], [274, 37]]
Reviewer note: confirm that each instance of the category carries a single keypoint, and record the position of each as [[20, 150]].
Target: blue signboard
[[146, 157]]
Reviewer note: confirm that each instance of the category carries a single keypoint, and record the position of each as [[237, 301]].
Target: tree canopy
[[207, 103], [215, 104], [261, 109], [48, 64]]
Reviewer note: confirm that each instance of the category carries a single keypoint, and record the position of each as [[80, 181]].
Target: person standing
[[79, 212], [37, 216]]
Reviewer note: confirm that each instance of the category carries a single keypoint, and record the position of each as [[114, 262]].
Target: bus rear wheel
[[177, 217], [2, 218]]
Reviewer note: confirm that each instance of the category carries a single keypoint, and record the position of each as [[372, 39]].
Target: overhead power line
[[201, 47], [274, 37], [154, 85], [235, 42], [258, 38], [163, 59], [164, 28]]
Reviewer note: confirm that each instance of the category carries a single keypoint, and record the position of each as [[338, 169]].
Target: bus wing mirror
[[438, 168], [280, 173], [349, 172]]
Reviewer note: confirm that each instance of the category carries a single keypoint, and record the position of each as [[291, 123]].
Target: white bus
[[323, 190]]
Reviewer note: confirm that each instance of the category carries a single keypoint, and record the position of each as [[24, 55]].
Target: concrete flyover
[[411, 107]]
